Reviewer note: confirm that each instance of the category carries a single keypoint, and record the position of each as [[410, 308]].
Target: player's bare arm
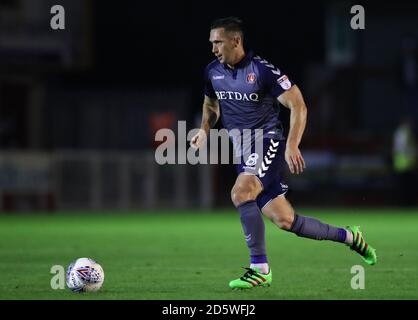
[[210, 116], [293, 100]]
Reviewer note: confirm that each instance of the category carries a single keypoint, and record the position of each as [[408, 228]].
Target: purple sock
[[308, 227], [253, 226]]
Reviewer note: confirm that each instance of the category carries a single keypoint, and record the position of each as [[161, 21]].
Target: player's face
[[223, 45]]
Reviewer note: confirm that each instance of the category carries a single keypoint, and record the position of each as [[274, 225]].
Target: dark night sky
[[168, 43], [154, 42]]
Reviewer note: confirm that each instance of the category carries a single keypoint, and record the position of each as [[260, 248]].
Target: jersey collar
[[243, 62]]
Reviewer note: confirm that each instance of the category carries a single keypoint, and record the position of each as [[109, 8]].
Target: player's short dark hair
[[230, 24]]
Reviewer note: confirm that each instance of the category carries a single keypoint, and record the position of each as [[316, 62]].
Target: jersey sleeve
[[208, 88], [272, 79]]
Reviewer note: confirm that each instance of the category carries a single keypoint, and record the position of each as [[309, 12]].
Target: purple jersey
[[247, 94]]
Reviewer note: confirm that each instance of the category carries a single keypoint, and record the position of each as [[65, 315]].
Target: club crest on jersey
[[251, 77], [284, 82]]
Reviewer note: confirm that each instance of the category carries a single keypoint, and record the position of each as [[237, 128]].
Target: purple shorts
[[268, 166]]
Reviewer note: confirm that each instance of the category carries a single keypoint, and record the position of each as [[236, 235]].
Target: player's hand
[[294, 159], [198, 139]]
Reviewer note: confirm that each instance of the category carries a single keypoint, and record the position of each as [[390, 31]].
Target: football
[[84, 275]]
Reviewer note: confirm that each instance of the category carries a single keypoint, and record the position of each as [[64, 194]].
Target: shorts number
[[252, 159]]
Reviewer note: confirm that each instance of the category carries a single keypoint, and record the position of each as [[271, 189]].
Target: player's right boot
[[367, 252], [252, 278]]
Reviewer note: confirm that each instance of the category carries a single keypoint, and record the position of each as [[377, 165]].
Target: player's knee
[[284, 219], [242, 193], [285, 222], [281, 213]]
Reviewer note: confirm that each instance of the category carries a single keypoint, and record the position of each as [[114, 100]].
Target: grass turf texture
[[193, 255]]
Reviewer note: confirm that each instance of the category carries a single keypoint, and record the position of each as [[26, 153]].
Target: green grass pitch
[[194, 254]]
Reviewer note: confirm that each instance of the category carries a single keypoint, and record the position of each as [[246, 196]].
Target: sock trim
[[244, 203], [342, 235], [295, 219], [259, 259]]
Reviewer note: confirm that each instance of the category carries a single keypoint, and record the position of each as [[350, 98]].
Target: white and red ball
[[84, 275]]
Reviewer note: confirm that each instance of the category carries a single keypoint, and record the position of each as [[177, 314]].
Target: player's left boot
[[367, 252], [252, 278]]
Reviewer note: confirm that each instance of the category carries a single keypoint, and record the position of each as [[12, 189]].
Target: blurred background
[[79, 108]]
